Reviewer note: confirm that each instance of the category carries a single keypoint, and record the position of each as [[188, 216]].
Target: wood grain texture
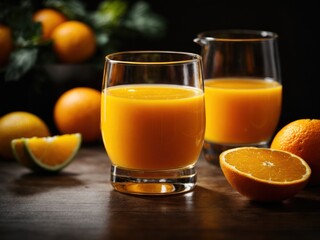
[[79, 203]]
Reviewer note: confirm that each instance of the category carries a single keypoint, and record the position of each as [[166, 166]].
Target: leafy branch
[[111, 18]]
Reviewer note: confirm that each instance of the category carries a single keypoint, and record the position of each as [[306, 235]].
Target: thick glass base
[[157, 182], [212, 151]]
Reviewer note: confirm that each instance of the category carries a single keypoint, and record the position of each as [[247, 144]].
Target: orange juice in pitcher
[[241, 111]]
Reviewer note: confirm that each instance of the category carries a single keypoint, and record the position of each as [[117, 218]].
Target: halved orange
[[49, 154], [264, 174]]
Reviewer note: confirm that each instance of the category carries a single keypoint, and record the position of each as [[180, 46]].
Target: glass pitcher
[[243, 90]]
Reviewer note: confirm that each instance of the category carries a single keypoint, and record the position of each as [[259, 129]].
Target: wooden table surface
[[79, 203]]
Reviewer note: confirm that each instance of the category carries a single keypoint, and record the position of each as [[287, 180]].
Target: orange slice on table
[[264, 174], [46, 154]]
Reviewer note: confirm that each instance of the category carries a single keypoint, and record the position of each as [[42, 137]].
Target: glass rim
[[236, 35], [193, 57]]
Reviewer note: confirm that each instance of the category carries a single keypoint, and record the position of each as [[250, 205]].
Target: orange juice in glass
[[243, 90], [153, 120]]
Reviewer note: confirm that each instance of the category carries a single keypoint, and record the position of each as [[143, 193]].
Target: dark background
[[296, 23]]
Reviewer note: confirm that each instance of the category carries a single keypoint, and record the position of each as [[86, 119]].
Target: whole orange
[[6, 44], [49, 19], [74, 42], [302, 137], [17, 125], [78, 111]]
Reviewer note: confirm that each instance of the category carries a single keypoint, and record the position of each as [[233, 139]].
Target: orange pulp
[[153, 126]]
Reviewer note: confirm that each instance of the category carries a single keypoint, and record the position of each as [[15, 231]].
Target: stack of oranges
[[73, 41], [24, 135], [77, 110]]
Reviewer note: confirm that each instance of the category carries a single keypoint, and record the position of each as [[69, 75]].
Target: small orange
[[78, 111], [6, 44], [49, 19], [17, 125], [74, 42], [264, 174], [302, 137]]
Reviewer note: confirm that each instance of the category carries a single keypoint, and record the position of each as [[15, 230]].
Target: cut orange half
[[46, 153], [264, 174]]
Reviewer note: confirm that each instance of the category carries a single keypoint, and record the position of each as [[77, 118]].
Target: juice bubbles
[[152, 127], [241, 111]]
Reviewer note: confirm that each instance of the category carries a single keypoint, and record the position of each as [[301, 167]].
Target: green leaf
[[72, 9], [102, 38], [109, 14], [25, 31], [143, 20], [21, 60]]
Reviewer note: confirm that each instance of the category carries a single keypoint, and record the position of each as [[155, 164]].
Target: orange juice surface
[[241, 111], [153, 127]]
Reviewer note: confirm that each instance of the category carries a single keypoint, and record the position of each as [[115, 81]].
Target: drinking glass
[[243, 90], [153, 120]]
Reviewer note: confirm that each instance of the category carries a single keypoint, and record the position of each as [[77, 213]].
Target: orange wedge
[[264, 174], [46, 154]]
